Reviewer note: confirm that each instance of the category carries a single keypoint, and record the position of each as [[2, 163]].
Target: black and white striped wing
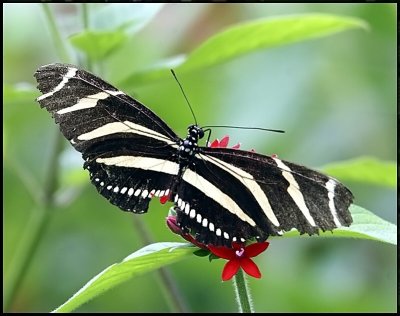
[[127, 149], [233, 195]]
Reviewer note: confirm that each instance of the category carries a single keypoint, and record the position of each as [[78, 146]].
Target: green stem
[[168, 286], [86, 26], [85, 16], [34, 231], [242, 292], [55, 34]]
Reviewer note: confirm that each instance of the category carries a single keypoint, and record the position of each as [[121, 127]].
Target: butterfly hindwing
[[130, 181]]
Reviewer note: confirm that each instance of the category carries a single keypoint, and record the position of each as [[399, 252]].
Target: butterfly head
[[195, 132]]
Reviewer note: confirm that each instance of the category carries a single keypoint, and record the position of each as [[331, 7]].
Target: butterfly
[[221, 195]]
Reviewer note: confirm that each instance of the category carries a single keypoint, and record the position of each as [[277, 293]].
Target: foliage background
[[335, 97]]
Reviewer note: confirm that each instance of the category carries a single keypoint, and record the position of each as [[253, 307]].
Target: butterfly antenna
[[183, 92], [245, 127]]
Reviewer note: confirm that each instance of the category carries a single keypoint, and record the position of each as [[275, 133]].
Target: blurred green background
[[335, 97]]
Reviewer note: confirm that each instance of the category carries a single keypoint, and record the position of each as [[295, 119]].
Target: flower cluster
[[239, 256]]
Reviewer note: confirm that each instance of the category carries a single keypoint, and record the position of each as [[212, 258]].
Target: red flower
[[223, 143], [239, 257]]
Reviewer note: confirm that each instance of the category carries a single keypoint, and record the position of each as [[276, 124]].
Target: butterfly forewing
[[85, 106], [114, 132]]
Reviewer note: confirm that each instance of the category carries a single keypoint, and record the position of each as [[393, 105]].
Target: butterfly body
[[221, 195]]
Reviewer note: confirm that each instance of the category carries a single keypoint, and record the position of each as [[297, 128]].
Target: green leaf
[[366, 225], [144, 260], [19, 94], [131, 18], [98, 44], [366, 170], [248, 37], [266, 33]]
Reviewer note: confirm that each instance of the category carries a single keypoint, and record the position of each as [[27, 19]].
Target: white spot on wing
[[145, 193], [211, 227]]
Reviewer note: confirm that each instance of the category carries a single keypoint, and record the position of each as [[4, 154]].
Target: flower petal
[[164, 199], [237, 146], [223, 252], [173, 225], [255, 249], [250, 267], [214, 144], [190, 238], [224, 141], [230, 269]]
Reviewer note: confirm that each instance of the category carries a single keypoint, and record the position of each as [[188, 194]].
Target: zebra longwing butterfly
[[221, 195]]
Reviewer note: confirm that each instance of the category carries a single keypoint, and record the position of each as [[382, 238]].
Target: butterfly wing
[[238, 195], [128, 150]]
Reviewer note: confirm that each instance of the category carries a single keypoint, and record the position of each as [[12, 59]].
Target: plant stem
[[243, 297], [170, 289], [34, 231], [55, 34], [86, 26]]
